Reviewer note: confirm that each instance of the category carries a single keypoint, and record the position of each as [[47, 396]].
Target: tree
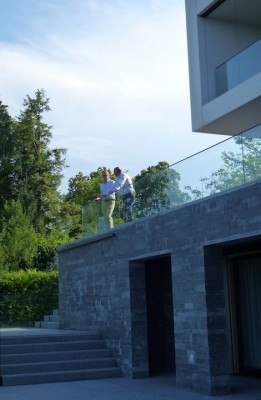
[[37, 168], [7, 155], [78, 189], [157, 189], [32, 218], [81, 194], [18, 239], [251, 157], [84, 189], [238, 168]]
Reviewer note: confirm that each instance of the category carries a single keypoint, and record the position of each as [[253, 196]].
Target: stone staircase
[[54, 357], [49, 321]]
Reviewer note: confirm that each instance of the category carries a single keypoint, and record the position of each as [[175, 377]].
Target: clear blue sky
[[116, 73]]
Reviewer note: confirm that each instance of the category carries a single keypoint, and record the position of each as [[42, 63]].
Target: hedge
[[26, 296]]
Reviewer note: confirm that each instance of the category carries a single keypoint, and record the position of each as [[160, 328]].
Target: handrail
[[227, 164], [239, 68]]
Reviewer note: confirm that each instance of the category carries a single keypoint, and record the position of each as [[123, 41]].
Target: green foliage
[[81, 196], [26, 296], [21, 247], [157, 189], [251, 158], [33, 220], [18, 239], [78, 189], [7, 159], [30, 169], [37, 167], [70, 220], [84, 189], [45, 258], [238, 168]]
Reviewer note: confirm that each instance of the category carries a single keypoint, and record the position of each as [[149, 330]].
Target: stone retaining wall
[[103, 284]]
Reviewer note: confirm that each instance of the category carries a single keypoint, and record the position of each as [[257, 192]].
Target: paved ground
[[154, 388]]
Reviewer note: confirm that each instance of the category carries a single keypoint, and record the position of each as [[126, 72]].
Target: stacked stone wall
[[98, 290]]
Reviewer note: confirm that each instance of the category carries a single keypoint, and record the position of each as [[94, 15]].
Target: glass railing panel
[[209, 171], [228, 164], [93, 220], [154, 193], [239, 68], [252, 153]]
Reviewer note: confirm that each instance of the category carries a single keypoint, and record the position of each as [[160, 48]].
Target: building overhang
[[218, 30], [235, 111]]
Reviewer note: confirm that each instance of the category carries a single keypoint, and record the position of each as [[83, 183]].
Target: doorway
[[244, 275], [160, 321]]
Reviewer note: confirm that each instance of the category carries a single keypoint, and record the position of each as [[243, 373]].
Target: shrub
[[26, 296]]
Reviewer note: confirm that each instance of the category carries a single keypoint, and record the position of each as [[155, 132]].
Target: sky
[[116, 74]]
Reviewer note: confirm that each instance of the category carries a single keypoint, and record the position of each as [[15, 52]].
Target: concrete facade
[[217, 31], [157, 287]]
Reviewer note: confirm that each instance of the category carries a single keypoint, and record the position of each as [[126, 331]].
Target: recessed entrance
[[245, 312], [152, 322], [160, 325]]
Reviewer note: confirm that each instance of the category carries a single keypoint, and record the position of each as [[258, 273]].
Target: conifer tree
[[36, 168], [7, 155], [32, 220]]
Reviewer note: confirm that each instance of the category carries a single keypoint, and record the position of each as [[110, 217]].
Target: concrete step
[[52, 366], [47, 325], [50, 347], [60, 376], [39, 358], [49, 321], [54, 356], [51, 318], [37, 336]]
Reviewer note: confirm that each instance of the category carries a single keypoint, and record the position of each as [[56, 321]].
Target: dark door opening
[[160, 323], [245, 308]]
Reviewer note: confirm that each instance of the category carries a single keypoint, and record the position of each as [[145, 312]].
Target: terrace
[[230, 163]]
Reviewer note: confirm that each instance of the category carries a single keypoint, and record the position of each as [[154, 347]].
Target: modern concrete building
[[224, 51], [180, 290]]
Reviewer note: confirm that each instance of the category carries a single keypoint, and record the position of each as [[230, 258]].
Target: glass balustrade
[[232, 162], [239, 68]]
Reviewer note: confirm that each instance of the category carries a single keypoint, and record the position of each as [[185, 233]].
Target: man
[[107, 197], [124, 186]]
